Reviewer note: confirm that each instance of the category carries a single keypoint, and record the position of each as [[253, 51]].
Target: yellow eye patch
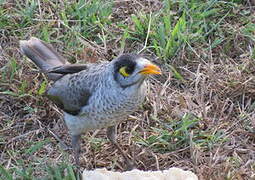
[[123, 71]]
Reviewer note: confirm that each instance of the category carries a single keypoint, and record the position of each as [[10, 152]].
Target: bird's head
[[132, 69]]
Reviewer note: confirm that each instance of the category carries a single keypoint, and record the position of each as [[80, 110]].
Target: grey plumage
[[92, 96], [43, 55]]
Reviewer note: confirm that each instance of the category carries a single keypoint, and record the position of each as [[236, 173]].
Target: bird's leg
[[111, 136], [76, 148]]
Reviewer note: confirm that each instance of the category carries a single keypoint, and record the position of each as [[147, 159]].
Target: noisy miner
[[92, 96]]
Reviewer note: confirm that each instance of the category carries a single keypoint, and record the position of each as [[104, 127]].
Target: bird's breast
[[110, 106], [106, 107]]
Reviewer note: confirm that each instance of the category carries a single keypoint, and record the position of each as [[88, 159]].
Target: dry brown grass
[[218, 90]]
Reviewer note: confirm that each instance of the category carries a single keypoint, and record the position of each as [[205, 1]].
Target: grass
[[199, 115]]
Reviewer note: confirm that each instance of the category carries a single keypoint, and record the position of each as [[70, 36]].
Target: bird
[[92, 95]]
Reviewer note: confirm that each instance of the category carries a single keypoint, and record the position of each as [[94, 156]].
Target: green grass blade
[[34, 148], [4, 173]]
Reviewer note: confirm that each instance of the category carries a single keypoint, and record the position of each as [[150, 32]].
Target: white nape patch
[[142, 62]]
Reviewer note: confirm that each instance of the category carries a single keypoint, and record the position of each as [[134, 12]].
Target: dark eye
[[129, 69]]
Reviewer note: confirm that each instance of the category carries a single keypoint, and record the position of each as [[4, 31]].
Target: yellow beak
[[150, 69]]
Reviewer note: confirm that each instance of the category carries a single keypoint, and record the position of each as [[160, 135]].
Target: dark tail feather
[[43, 55]]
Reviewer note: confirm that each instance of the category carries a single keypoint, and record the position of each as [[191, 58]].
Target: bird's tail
[[43, 55]]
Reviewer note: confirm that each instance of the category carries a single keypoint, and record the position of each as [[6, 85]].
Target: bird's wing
[[74, 83], [68, 69], [72, 91], [71, 100]]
